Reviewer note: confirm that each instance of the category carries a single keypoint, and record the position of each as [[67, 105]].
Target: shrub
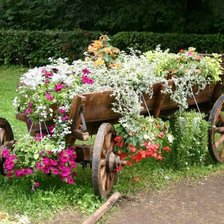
[[190, 146], [35, 47], [144, 41]]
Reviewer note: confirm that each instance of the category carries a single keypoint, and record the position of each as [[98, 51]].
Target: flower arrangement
[[31, 156], [101, 52], [45, 95], [152, 139]]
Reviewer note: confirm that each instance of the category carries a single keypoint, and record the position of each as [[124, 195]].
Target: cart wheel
[[6, 138], [216, 132], [104, 161]]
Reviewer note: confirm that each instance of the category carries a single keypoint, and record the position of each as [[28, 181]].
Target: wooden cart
[[92, 114]]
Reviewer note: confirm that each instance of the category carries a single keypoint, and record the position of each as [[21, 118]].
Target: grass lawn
[[17, 198]]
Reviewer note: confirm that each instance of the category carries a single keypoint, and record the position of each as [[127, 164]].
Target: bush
[[35, 47], [144, 41], [190, 146]]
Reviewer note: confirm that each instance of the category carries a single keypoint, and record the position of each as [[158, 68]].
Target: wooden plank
[[103, 209], [77, 103]]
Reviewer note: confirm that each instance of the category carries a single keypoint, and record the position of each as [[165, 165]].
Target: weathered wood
[[78, 103], [103, 209], [78, 134], [159, 101]]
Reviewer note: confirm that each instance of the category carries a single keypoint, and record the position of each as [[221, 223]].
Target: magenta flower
[[55, 171], [69, 180], [59, 87], [51, 129], [65, 117], [28, 111], [85, 71], [5, 153], [30, 104], [61, 110], [46, 161], [49, 96], [36, 184], [47, 74], [87, 80]]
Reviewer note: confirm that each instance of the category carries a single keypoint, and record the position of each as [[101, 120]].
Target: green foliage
[[35, 47], [191, 16], [190, 146], [145, 41]]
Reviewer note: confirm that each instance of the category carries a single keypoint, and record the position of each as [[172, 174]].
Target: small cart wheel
[[216, 131], [104, 161], [6, 137]]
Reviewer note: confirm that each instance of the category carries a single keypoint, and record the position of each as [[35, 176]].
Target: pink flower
[[47, 74], [53, 162], [59, 87], [51, 129], [85, 71], [30, 104], [46, 161], [69, 180], [65, 117], [28, 111], [39, 166], [49, 96], [36, 184], [61, 110], [55, 171], [5, 153], [87, 80], [64, 171]]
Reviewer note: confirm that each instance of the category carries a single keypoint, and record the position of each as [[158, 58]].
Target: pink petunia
[[49, 96], [87, 80], [59, 87], [85, 71]]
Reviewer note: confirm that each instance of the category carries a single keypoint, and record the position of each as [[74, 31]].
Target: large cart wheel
[[6, 139], [104, 161], [216, 132]]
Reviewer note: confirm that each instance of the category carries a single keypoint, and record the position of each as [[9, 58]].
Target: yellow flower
[[99, 62], [108, 50], [115, 65], [97, 44]]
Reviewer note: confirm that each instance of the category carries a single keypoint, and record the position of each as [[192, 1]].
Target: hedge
[[35, 47], [144, 41], [31, 48]]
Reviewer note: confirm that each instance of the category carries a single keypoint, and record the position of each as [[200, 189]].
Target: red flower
[[132, 148], [166, 148]]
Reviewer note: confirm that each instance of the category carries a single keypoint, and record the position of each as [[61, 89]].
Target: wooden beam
[[103, 209]]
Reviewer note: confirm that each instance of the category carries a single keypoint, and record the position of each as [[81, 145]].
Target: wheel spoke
[[103, 179], [2, 136], [108, 141], [222, 153], [219, 141], [219, 129], [221, 118]]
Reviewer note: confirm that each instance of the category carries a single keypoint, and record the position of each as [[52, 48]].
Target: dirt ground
[[200, 202]]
